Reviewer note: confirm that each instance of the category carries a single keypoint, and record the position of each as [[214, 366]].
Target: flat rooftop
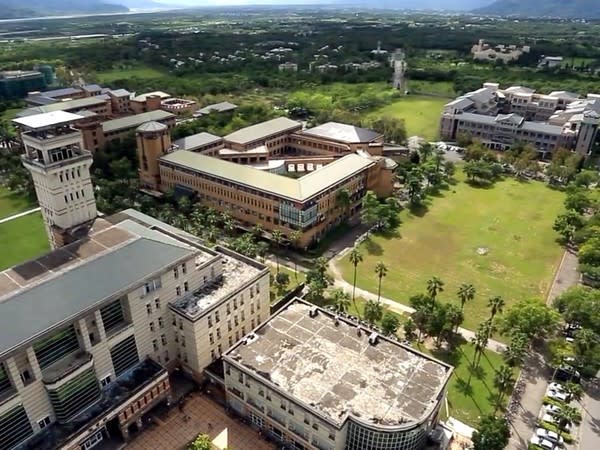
[[135, 120], [111, 259], [235, 274], [342, 132], [144, 97], [46, 120], [196, 141], [300, 189], [69, 105], [336, 371], [263, 130]]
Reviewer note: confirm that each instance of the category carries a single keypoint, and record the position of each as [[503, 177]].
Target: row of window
[[76, 196]]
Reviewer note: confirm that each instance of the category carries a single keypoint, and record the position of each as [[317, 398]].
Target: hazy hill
[[589, 9], [12, 9]]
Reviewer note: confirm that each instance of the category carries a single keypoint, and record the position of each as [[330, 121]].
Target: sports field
[[499, 239]]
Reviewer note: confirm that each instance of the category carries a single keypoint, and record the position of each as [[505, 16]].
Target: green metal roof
[[63, 106], [300, 189], [262, 130], [135, 120]]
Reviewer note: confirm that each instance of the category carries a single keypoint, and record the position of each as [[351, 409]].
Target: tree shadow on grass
[[373, 248], [418, 210]]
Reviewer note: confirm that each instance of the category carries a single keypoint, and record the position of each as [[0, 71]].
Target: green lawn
[[513, 220], [467, 402], [421, 114], [129, 72], [22, 239], [295, 279], [11, 203]]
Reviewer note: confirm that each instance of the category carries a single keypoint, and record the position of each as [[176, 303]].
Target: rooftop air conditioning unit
[[313, 311], [373, 338]]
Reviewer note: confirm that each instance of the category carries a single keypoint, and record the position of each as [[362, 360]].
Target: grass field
[[129, 72], [11, 203], [468, 401], [421, 114], [512, 220], [22, 239]]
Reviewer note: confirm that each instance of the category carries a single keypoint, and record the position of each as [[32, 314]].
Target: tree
[[516, 350], [566, 224], [503, 381], [317, 280], [492, 433], [370, 209], [381, 271], [496, 305], [355, 259], [585, 178], [342, 199], [202, 442], [373, 312], [423, 306], [341, 300], [573, 390], [449, 169], [277, 237], [415, 189], [566, 416], [390, 323], [466, 293], [434, 286], [282, 281], [480, 340], [295, 238], [454, 316], [532, 318], [578, 201], [426, 149], [409, 329]]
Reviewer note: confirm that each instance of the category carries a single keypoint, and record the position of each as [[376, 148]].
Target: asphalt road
[[589, 432]]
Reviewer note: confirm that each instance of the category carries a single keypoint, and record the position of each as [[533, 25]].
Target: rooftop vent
[[312, 312], [373, 338], [250, 338], [336, 320]]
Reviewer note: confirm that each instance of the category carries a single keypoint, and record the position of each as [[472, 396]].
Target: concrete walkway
[[21, 214]]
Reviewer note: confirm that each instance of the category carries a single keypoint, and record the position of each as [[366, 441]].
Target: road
[[589, 432]]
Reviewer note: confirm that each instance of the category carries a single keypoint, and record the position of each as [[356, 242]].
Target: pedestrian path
[[21, 214]]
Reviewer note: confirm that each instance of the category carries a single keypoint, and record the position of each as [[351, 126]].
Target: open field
[[11, 203], [512, 221], [468, 401], [22, 239], [421, 114], [130, 72]]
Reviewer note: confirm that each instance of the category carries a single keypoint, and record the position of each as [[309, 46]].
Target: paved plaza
[[174, 433]]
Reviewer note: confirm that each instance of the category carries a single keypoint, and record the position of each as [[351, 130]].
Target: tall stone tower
[[153, 141], [60, 168], [588, 131]]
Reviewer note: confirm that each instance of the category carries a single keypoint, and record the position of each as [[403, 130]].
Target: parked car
[[551, 419], [567, 373], [550, 436], [554, 386], [557, 395], [551, 409], [543, 443]]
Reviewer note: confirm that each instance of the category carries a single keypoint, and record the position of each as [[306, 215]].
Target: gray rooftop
[[342, 132], [135, 120], [335, 370], [300, 189], [196, 141], [540, 127], [66, 282], [263, 130], [61, 92], [119, 92], [218, 107], [47, 120], [69, 105]]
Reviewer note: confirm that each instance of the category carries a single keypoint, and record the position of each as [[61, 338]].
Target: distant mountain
[[145, 4], [16, 9], [586, 9], [445, 5]]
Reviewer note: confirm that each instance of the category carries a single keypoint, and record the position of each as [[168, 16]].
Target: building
[[288, 67], [60, 165], [314, 381], [550, 61], [505, 53], [17, 83], [150, 101], [221, 107], [178, 106], [500, 117], [100, 105], [247, 173], [88, 332]]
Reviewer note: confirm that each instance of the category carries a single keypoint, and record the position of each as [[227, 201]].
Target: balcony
[[32, 160], [59, 372], [53, 138]]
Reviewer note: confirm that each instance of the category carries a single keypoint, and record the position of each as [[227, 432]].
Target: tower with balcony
[[153, 141], [59, 164], [588, 132]]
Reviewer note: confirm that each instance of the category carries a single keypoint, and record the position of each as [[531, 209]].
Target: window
[[186, 286], [242, 299], [243, 331], [178, 291], [219, 348], [212, 355], [174, 321], [182, 340], [252, 323], [218, 333], [230, 341], [152, 285], [105, 381], [163, 339], [237, 335], [234, 303], [251, 308], [161, 324], [176, 273], [184, 268], [157, 303], [243, 316], [155, 345], [209, 321], [25, 376], [229, 325], [217, 319], [43, 423], [211, 340], [148, 308], [228, 308], [151, 324], [180, 324], [235, 320]]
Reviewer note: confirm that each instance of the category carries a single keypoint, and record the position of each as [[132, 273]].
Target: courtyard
[[499, 239]]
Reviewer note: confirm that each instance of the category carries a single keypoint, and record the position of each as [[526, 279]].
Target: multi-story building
[[60, 165], [500, 117], [505, 53], [231, 179], [100, 105], [17, 83], [88, 332], [314, 381]]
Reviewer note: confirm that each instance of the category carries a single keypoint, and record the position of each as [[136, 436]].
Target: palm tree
[[496, 305], [466, 293], [341, 300], [566, 416], [373, 311], [257, 230], [573, 390], [227, 221], [434, 287], [515, 351], [503, 381], [277, 237], [355, 259], [295, 240], [381, 271]]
